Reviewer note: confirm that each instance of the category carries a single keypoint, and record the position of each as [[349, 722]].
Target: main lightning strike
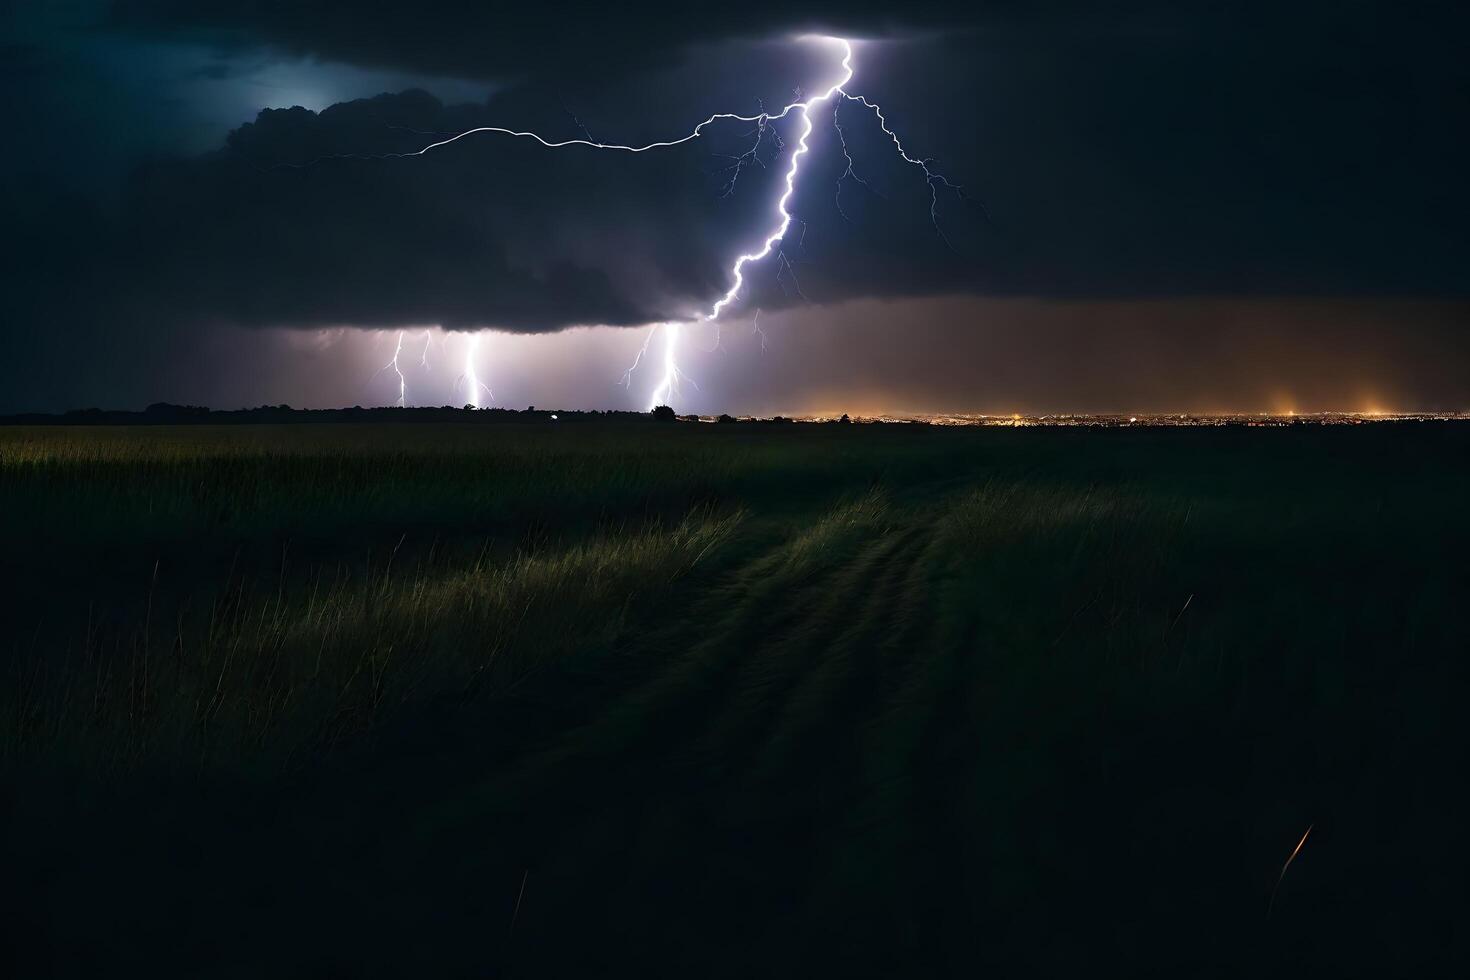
[[784, 216], [737, 271]]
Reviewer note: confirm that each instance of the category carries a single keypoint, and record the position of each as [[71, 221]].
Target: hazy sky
[[1168, 205]]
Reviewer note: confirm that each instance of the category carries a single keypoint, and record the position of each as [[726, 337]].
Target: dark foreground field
[[697, 700]]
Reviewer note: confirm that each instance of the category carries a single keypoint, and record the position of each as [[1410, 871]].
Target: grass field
[[700, 700]]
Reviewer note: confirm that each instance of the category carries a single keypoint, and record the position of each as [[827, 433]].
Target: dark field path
[[722, 702]]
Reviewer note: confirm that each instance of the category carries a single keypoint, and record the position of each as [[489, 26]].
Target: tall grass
[[294, 672], [734, 700]]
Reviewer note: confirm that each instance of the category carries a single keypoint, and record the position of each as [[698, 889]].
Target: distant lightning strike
[[782, 218], [670, 383], [638, 358], [397, 369], [470, 377], [474, 387], [672, 378], [755, 328]]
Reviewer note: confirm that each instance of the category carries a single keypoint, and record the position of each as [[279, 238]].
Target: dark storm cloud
[[1150, 148], [300, 220], [20, 62], [1106, 163], [510, 40], [495, 233]]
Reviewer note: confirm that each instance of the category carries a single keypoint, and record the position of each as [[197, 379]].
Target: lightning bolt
[[581, 128], [755, 328], [849, 172], [473, 386], [782, 218], [934, 178], [793, 167], [664, 393], [752, 155], [627, 381], [786, 272], [672, 378], [393, 366]]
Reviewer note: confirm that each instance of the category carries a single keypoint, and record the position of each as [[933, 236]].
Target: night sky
[[1168, 206]]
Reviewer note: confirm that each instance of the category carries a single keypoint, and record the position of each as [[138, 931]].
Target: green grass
[[733, 699]]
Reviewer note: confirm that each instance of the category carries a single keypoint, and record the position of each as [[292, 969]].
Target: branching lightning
[[581, 128], [672, 378], [752, 155], [787, 272], [470, 378], [755, 328], [667, 387], [849, 172], [782, 218], [394, 366], [737, 271], [627, 381], [935, 179]]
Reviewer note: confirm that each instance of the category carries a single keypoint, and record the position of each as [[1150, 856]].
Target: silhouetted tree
[[664, 413], [165, 410]]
